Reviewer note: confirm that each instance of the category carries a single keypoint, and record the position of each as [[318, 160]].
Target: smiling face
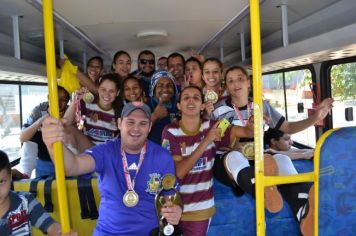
[[107, 94], [191, 102], [134, 130], [237, 84], [132, 90], [176, 67], [94, 69], [122, 65], [212, 74], [146, 64], [164, 90]]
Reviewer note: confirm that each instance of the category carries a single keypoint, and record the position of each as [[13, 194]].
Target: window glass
[[272, 91], [299, 100], [343, 90], [10, 120]]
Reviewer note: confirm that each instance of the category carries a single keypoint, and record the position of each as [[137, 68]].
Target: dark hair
[[117, 103], [272, 134], [176, 54], [118, 54], [236, 68], [162, 58], [130, 77], [145, 52], [188, 87], [65, 91], [194, 59], [216, 60], [98, 58], [4, 162]]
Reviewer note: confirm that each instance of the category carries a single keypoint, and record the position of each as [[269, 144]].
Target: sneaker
[[273, 198], [307, 222]]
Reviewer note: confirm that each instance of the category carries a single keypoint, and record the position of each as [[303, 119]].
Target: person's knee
[[285, 164]]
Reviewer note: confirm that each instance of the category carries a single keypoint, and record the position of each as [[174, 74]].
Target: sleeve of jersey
[[275, 118], [34, 115], [99, 152], [171, 143], [39, 218]]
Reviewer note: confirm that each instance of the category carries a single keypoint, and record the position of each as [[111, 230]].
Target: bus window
[[298, 92], [290, 94], [343, 90], [9, 120], [273, 88]]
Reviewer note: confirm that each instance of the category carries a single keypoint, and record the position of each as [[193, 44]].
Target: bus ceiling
[[292, 34]]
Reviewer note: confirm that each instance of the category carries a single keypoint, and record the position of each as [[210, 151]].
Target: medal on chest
[[131, 198]]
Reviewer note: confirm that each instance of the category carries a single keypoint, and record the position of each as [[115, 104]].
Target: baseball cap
[[132, 106]]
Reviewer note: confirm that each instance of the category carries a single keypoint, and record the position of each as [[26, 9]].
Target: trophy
[[167, 194]]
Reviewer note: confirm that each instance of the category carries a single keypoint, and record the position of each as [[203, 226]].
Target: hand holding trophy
[[166, 197]]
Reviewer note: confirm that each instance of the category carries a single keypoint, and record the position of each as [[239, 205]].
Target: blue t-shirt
[[114, 217]]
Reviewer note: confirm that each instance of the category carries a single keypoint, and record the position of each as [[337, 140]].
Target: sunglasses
[[144, 61]]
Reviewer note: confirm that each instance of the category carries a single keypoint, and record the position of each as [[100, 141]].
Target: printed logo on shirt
[[166, 144], [200, 164], [18, 220], [153, 183]]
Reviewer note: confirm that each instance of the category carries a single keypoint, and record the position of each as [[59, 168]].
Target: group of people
[[145, 124]]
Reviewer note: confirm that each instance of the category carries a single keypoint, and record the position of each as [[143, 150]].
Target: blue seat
[[236, 215], [337, 206]]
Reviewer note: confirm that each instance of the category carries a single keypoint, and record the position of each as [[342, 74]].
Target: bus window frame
[[325, 84], [309, 67]]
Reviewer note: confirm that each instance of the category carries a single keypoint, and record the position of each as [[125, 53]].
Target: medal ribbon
[[131, 184], [239, 115]]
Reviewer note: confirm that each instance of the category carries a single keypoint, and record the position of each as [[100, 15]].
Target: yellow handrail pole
[[54, 111], [258, 114]]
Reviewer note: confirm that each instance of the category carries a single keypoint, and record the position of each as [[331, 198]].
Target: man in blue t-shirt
[[130, 170]]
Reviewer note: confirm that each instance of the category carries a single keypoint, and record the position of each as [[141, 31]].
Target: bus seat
[[83, 210], [237, 215], [337, 186]]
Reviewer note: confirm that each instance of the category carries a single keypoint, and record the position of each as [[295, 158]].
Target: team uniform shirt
[[114, 217], [224, 109], [23, 213], [36, 113], [100, 125], [196, 188]]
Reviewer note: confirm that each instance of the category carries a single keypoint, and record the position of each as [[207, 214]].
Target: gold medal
[[211, 96], [168, 181], [130, 198], [88, 97], [248, 151]]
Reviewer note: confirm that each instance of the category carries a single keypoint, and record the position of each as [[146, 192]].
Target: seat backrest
[[337, 189]]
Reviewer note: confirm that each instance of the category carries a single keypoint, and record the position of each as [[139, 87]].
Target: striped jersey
[[23, 213], [100, 125], [196, 187]]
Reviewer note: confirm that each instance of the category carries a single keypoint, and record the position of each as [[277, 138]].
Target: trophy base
[[156, 232]]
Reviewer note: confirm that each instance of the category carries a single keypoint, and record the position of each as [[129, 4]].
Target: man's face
[[63, 100], [162, 64], [134, 130], [146, 64], [176, 66], [164, 90], [94, 69], [5, 184]]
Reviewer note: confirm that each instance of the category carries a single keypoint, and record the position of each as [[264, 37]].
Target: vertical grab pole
[[54, 111], [258, 114]]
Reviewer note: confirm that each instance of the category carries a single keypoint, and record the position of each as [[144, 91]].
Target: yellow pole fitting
[[54, 111], [258, 114]]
